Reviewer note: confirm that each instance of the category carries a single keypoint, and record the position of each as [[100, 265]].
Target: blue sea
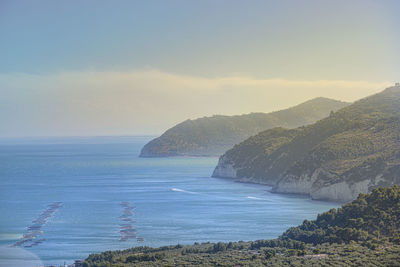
[[167, 200]]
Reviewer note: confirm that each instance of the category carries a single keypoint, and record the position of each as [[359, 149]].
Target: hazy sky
[[139, 67]]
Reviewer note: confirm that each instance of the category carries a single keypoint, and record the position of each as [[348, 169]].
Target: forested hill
[[371, 218], [352, 151], [211, 136], [365, 232]]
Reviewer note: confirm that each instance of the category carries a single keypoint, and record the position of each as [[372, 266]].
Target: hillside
[[362, 233], [211, 136], [370, 217], [352, 151]]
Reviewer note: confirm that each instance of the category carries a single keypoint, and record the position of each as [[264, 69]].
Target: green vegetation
[[352, 151], [214, 135], [370, 219], [362, 233]]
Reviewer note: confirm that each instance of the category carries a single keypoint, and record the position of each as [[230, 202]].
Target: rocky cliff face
[[225, 169], [343, 190], [352, 151]]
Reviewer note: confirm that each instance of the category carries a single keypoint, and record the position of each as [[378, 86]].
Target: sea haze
[[176, 200]]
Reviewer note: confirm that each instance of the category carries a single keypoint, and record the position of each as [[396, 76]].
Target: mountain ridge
[[352, 151], [212, 136]]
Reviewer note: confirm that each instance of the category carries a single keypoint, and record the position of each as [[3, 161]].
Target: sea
[[62, 199]]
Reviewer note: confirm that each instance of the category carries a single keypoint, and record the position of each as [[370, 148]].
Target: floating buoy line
[[127, 227], [31, 237]]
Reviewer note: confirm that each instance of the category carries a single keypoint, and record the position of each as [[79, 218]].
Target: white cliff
[[342, 191], [224, 169]]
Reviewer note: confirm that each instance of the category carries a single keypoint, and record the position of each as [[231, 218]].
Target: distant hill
[[365, 232], [352, 151], [212, 136]]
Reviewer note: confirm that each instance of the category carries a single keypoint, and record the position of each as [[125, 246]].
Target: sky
[[139, 67]]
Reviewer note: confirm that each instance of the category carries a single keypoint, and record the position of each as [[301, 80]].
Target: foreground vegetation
[[364, 232]]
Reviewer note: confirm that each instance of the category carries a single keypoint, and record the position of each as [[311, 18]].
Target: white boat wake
[[256, 198], [183, 191]]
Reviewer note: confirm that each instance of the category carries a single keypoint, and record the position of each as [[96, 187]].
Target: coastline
[[305, 196]]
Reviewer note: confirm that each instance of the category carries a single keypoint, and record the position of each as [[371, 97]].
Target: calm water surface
[[176, 200]]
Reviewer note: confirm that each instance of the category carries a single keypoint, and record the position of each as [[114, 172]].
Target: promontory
[[212, 136]]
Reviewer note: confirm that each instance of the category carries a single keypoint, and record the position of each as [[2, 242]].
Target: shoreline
[[305, 196]]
